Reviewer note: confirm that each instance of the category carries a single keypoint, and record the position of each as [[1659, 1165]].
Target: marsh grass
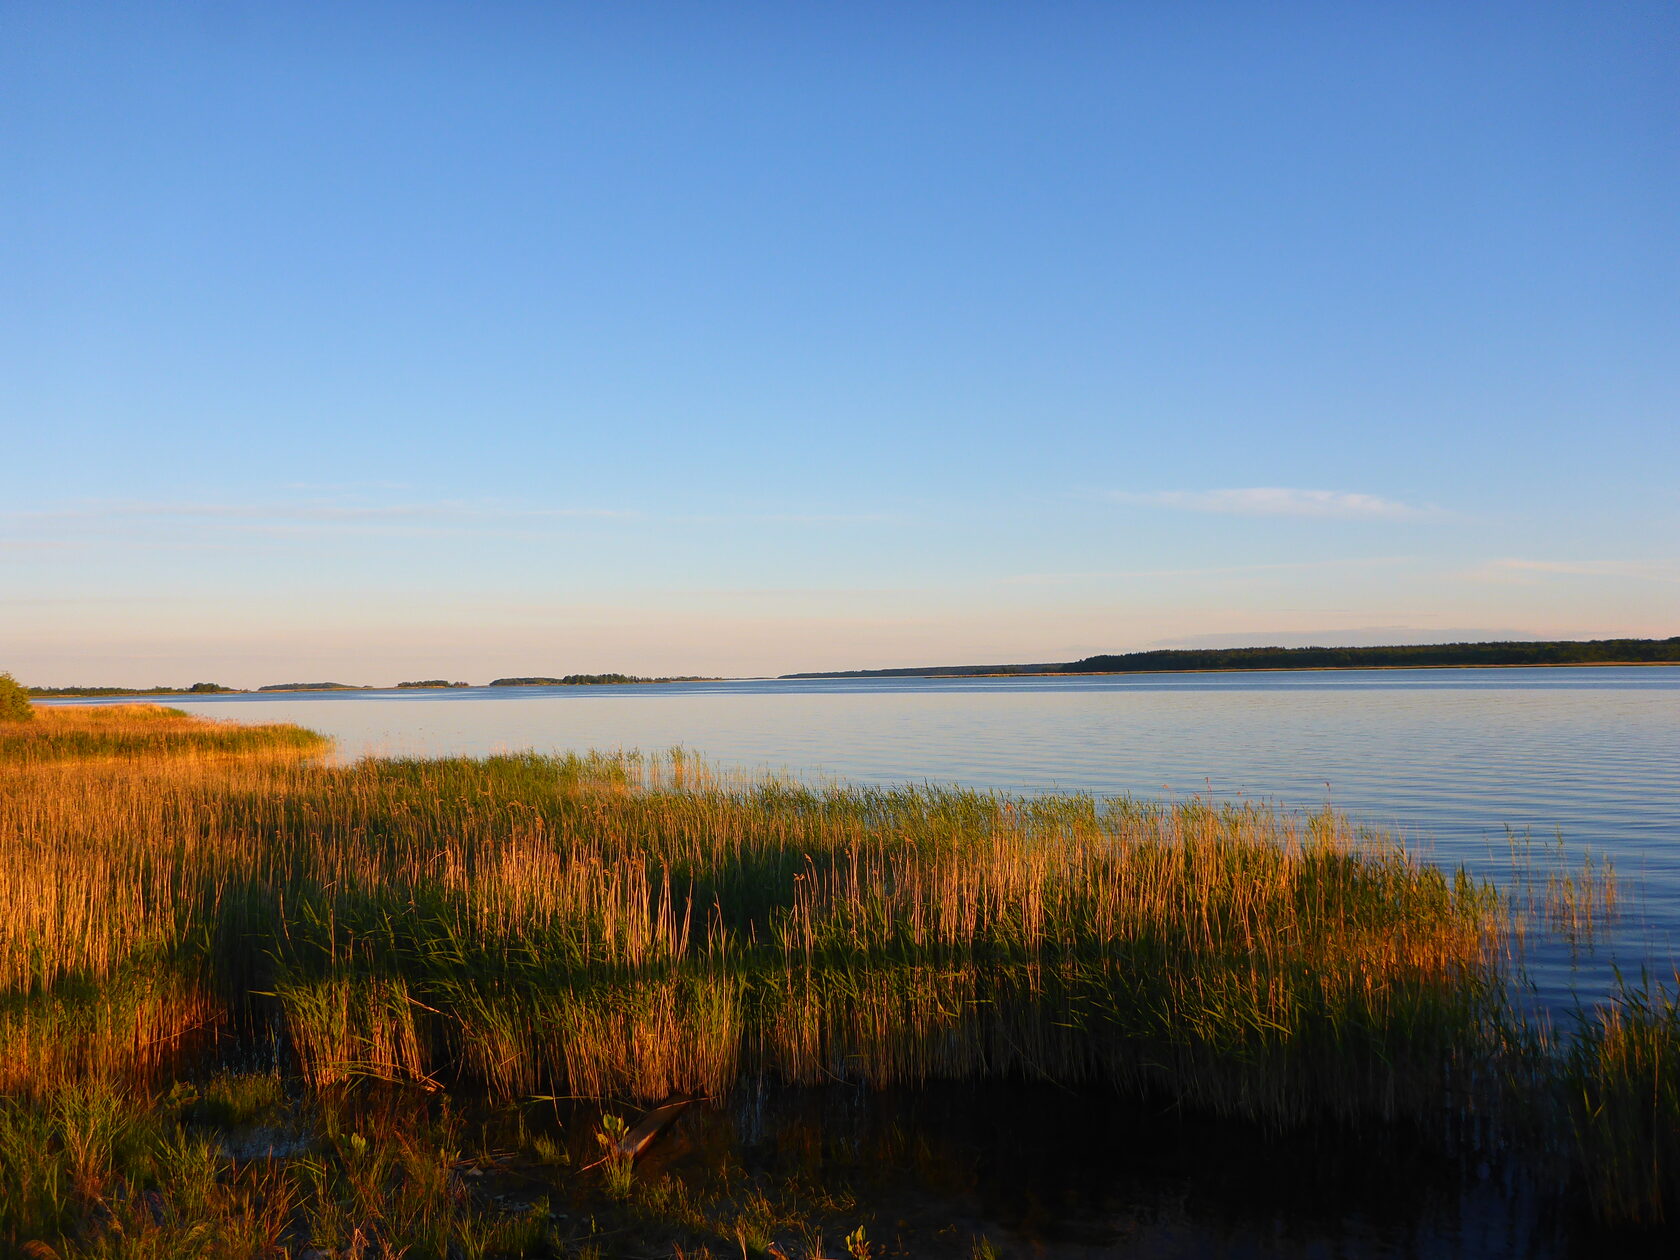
[[1623, 1076], [633, 928], [141, 730]]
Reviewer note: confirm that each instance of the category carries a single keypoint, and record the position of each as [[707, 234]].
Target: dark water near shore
[[1040, 1171]]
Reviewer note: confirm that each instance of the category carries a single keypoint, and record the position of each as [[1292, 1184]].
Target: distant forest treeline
[[321, 686], [197, 689], [1557, 652], [570, 680], [1420, 655]]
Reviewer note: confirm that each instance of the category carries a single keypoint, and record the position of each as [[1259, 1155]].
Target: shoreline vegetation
[[247, 992], [1163, 661], [1400, 656], [430, 684]]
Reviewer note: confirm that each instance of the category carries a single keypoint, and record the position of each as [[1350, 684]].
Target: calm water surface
[[1453, 760]]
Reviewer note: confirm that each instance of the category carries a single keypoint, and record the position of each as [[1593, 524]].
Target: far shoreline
[[850, 677], [1232, 669]]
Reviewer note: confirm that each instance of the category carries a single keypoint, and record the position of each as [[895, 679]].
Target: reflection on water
[[1451, 759]]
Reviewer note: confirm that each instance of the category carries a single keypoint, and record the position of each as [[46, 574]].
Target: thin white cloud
[[1223, 570], [127, 521], [1278, 501], [1513, 569], [443, 512], [332, 512], [178, 524], [34, 544], [793, 518], [344, 487], [1354, 636]]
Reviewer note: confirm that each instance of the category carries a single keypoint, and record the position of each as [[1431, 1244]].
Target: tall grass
[[1623, 1075], [630, 927], [139, 731]]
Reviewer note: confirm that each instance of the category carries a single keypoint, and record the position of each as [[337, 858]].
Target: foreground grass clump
[[1623, 1073], [619, 927], [102, 1172]]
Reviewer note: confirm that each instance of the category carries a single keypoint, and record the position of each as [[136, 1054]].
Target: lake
[[1452, 760]]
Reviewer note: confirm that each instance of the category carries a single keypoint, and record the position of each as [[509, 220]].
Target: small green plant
[[546, 1150], [617, 1164], [14, 701], [859, 1246], [230, 1100]]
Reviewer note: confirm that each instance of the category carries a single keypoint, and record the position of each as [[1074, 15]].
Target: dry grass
[[132, 731]]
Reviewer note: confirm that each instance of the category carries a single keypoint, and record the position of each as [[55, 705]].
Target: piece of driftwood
[[650, 1126], [640, 1135]]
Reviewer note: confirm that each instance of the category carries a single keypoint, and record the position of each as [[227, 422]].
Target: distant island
[[321, 686], [197, 689], [1400, 656], [590, 680]]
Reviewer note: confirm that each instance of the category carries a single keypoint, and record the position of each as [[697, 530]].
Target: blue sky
[[385, 341]]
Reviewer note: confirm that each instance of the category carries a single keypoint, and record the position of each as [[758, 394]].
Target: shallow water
[[1045, 1172], [1452, 760]]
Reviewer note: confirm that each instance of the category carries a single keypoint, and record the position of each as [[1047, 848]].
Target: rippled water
[[1451, 759]]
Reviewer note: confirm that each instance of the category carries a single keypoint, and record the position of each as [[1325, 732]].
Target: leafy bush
[[14, 701]]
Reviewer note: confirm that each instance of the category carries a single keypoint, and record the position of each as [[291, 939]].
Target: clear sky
[[379, 341]]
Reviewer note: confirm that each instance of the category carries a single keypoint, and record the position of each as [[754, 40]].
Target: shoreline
[[1240, 669], [865, 676]]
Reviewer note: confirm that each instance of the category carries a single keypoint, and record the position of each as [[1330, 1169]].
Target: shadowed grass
[[1623, 1074]]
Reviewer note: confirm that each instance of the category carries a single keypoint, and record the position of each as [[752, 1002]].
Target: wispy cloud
[[345, 487], [1279, 501], [177, 524], [440, 511], [334, 512], [141, 523], [793, 518], [1513, 569], [1223, 570], [1354, 636]]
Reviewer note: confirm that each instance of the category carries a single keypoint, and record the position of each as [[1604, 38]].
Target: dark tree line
[[197, 689], [1561, 652], [1420, 655]]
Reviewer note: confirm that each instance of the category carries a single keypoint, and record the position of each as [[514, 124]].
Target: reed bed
[[620, 926], [141, 730]]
